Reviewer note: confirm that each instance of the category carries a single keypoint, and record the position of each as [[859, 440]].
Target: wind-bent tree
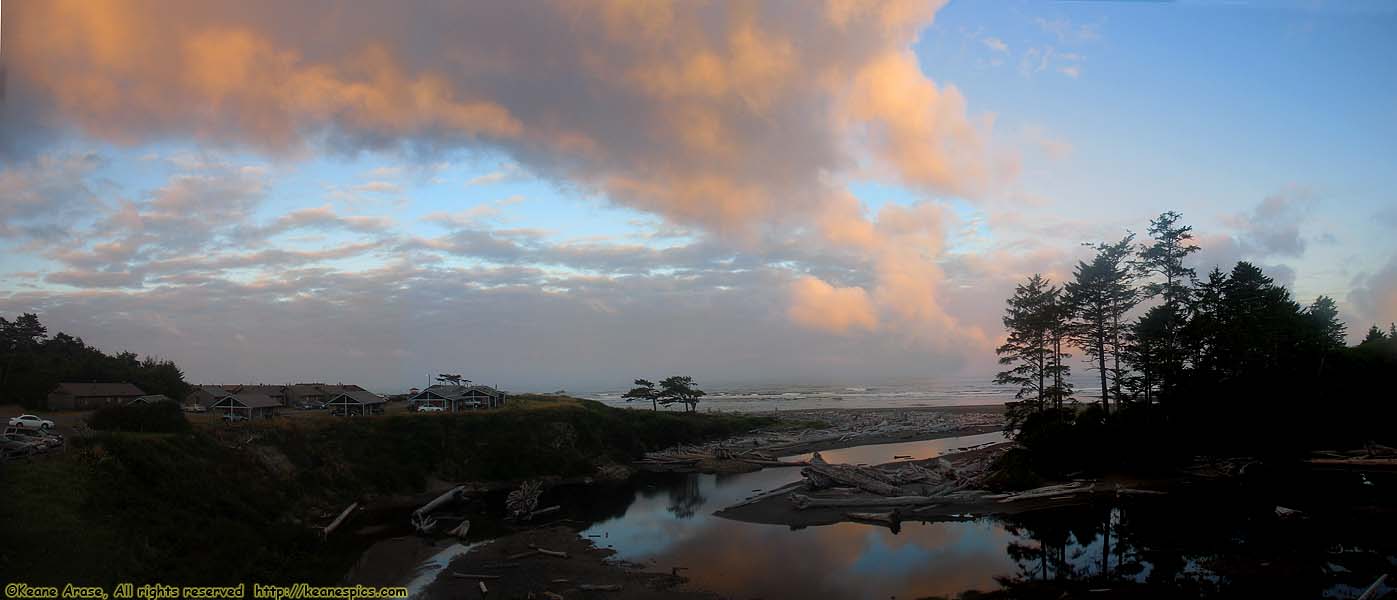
[[1101, 294], [452, 378], [1163, 261], [680, 389], [644, 390]]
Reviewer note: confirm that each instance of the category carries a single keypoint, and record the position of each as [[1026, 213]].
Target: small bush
[[161, 417]]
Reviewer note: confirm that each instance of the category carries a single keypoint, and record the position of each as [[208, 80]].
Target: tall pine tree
[[1101, 294]]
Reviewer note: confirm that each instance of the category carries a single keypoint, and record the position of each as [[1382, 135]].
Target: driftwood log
[[890, 519], [821, 474], [1372, 592], [1357, 464], [340, 519], [421, 518], [1048, 491], [763, 496], [547, 552], [542, 511], [803, 502]]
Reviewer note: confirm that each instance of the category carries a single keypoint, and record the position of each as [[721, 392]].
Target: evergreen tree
[[1057, 318], [1036, 320], [1200, 334], [1330, 333], [1025, 349], [1261, 325], [1144, 347], [33, 364], [1101, 294], [644, 390], [680, 389], [1163, 261], [1375, 335]]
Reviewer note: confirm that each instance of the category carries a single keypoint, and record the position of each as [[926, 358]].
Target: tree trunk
[[1101, 364]]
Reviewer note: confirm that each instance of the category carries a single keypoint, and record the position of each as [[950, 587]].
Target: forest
[[1224, 364], [32, 363]]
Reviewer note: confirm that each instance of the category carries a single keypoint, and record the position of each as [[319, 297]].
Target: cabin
[[150, 399], [207, 395], [87, 396], [356, 402], [250, 405], [314, 394], [275, 392], [453, 398]]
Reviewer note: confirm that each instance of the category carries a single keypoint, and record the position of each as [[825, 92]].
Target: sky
[[560, 195]]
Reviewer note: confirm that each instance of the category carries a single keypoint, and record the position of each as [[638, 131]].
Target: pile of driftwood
[[910, 490], [683, 457], [1372, 456], [895, 485]]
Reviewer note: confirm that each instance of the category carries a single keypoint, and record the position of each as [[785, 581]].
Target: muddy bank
[[514, 567]]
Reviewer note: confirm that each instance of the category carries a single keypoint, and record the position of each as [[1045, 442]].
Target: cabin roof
[[249, 400], [359, 396], [152, 398], [458, 392]]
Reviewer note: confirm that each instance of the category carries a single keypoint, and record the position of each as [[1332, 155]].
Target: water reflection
[[670, 523], [1190, 545]]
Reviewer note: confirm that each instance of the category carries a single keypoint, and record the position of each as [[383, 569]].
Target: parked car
[[30, 422], [195, 408], [10, 449], [428, 408], [41, 442], [232, 418]]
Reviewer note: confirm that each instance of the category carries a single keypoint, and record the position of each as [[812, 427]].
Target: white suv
[[30, 422]]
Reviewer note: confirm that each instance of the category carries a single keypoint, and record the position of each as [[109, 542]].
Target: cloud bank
[[744, 120]]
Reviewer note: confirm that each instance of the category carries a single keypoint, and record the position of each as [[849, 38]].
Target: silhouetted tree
[[1036, 320], [1144, 347], [1163, 261], [1101, 294], [680, 389], [644, 390], [33, 364], [1025, 349], [1375, 335], [1200, 335], [1327, 332]]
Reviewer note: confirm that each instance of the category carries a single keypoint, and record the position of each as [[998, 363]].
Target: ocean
[[904, 394]]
